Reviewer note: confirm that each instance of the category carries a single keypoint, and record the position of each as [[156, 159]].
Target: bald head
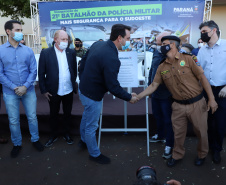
[[159, 37], [60, 36]]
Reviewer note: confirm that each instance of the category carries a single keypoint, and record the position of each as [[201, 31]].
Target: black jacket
[[99, 72], [48, 70]]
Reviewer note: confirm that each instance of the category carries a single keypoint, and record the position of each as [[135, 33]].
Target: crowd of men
[[183, 88]]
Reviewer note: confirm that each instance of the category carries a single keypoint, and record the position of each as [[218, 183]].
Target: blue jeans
[[12, 103], [162, 112], [89, 123]]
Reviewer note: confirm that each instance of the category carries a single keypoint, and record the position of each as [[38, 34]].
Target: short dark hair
[[118, 29], [211, 24], [9, 24], [77, 39], [177, 44]]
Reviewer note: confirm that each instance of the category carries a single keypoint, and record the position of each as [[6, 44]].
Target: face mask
[[200, 45], [126, 45], [182, 51], [159, 49], [18, 36], [165, 49], [63, 45], [205, 37], [78, 45]]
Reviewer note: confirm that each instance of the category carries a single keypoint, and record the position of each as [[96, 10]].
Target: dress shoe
[[199, 161], [101, 159], [51, 141], [68, 139], [216, 157], [82, 145], [15, 151], [38, 146], [172, 162]]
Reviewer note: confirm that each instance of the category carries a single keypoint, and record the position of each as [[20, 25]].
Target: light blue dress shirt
[[18, 67], [213, 62]]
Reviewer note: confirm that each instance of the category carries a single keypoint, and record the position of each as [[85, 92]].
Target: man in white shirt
[[212, 58], [57, 76]]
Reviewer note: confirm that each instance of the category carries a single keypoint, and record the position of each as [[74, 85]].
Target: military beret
[[189, 46], [77, 39], [170, 37]]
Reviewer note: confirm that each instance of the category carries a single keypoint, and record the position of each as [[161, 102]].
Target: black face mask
[[205, 37], [165, 49], [78, 45]]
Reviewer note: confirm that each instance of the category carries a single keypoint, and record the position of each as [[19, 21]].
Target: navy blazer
[[99, 72], [48, 70]]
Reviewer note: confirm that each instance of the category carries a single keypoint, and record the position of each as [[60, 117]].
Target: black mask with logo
[[205, 37], [165, 49], [78, 45]]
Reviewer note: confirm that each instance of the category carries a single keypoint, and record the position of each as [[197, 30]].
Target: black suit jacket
[[48, 70]]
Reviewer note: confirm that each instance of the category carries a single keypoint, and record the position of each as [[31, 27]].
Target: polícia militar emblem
[[182, 63]]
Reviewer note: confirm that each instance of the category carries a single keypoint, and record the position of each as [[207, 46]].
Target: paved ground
[[64, 164]]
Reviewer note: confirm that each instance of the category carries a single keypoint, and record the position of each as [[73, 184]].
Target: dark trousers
[[217, 122], [162, 112], [54, 105]]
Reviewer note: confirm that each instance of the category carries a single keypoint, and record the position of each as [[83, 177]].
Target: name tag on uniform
[[164, 72]]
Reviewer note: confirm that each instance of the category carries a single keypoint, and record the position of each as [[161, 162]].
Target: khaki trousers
[[196, 113]]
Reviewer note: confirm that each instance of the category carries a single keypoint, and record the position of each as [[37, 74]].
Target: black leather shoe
[[101, 159], [51, 141], [216, 157], [199, 161], [38, 146], [82, 145], [172, 162], [68, 139], [15, 151]]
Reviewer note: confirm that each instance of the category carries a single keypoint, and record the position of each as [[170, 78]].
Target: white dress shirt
[[213, 62], [65, 85]]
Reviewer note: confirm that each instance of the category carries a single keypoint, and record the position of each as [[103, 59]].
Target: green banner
[[112, 11]]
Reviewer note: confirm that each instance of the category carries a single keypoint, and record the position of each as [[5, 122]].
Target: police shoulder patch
[[196, 60]]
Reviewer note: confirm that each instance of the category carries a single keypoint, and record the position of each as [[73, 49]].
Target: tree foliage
[[16, 9]]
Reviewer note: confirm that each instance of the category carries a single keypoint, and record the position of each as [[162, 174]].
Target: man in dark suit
[[57, 75], [98, 74]]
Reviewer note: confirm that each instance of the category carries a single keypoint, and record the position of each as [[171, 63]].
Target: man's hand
[[134, 98], [47, 95], [222, 93], [213, 105], [21, 90], [173, 182]]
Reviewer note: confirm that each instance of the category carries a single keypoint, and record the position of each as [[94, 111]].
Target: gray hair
[[176, 43]]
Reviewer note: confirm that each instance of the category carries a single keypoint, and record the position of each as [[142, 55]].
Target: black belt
[[189, 101], [217, 87]]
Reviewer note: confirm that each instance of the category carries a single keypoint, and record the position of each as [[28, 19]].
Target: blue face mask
[[126, 45], [182, 51], [18, 36]]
